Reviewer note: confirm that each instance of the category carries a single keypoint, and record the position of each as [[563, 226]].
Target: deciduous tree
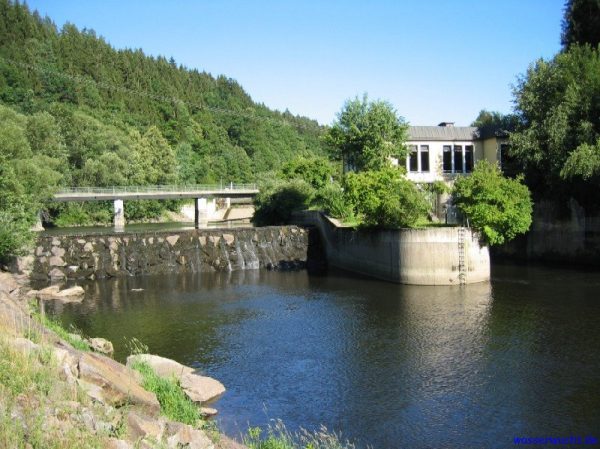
[[499, 207], [366, 133]]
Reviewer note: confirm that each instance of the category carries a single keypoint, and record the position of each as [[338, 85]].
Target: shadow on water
[[388, 365]]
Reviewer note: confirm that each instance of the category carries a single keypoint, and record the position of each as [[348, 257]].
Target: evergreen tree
[[581, 23]]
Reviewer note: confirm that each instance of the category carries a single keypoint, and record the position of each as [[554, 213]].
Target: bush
[[332, 200], [385, 199], [499, 207], [316, 171], [275, 203], [15, 234]]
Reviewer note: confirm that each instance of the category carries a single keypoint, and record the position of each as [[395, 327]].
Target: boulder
[[24, 345], [162, 366], [7, 283], [117, 384], [56, 274], [172, 239], [67, 360], [208, 411], [101, 345], [44, 293], [114, 443], [201, 388], [141, 426], [73, 294], [182, 435]]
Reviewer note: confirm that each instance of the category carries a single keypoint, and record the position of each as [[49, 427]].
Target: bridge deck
[[154, 192]]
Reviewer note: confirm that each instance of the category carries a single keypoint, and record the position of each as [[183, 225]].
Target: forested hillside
[[87, 114]]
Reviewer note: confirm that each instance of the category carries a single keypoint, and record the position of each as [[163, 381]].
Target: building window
[[424, 158], [468, 158], [458, 159], [413, 161], [447, 159]]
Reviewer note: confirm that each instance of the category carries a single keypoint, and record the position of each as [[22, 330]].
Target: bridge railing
[[156, 189]]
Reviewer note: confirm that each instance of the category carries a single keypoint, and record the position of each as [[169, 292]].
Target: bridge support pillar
[[200, 213], [119, 217], [227, 202]]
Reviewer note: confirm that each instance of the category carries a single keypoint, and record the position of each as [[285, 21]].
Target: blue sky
[[434, 60]]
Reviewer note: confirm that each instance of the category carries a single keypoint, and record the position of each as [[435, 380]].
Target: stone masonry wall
[[129, 254]]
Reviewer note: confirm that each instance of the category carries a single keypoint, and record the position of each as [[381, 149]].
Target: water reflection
[[388, 365], [142, 227]]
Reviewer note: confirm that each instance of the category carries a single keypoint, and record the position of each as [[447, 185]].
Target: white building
[[440, 153]]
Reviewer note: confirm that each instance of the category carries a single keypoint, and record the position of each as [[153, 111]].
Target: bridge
[[200, 194]]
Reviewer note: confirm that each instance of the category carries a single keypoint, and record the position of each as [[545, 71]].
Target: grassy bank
[[174, 404], [37, 408]]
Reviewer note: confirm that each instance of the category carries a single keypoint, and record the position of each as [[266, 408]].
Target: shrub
[[275, 203], [332, 200], [385, 199], [499, 207], [316, 171]]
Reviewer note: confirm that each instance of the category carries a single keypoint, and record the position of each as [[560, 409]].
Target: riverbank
[[55, 395]]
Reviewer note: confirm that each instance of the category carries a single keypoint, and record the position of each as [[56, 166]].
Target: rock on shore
[[197, 387], [113, 400]]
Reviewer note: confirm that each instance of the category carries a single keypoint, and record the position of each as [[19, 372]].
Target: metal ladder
[[462, 272]]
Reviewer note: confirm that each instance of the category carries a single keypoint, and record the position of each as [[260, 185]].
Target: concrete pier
[[431, 256], [119, 215], [200, 213]]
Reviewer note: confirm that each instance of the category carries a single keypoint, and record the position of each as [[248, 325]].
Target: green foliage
[[29, 388], [581, 23], [584, 162], [22, 372], [333, 201], [174, 404], [385, 198], [15, 235], [276, 202], [76, 112], [26, 180], [499, 207], [490, 122], [278, 437], [72, 336], [557, 102], [438, 187], [366, 134], [316, 171]]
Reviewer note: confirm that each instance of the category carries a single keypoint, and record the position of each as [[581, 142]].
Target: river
[[390, 366]]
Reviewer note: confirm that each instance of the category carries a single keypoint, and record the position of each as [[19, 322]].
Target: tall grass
[[277, 436], [174, 404], [30, 389], [72, 336]]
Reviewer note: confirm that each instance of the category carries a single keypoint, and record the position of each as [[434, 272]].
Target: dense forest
[[76, 112]]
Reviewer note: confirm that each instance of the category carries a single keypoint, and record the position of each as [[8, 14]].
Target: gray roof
[[442, 133]]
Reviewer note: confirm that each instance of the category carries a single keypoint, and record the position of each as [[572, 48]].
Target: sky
[[433, 60]]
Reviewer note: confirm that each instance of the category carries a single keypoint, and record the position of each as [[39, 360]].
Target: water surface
[[142, 227], [388, 365]]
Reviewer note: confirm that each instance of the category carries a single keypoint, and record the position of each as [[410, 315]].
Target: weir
[[166, 252]]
